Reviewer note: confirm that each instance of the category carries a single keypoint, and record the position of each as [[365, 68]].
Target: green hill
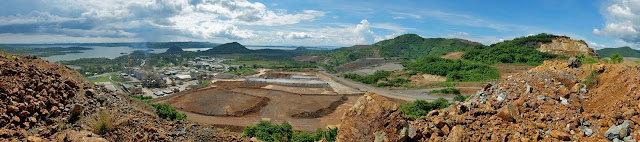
[[413, 46], [174, 49], [228, 48], [625, 51], [410, 46], [517, 51]]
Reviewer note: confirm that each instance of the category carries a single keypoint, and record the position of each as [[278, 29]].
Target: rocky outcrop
[[373, 118], [566, 46]]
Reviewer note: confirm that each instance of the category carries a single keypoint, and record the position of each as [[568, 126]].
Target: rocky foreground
[[547, 103], [42, 101]]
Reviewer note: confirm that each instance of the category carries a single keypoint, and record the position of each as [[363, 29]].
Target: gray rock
[[618, 132], [586, 123], [529, 90], [583, 91], [574, 62], [612, 133], [627, 138], [564, 101], [617, 140], [541, 97], [587, 131]]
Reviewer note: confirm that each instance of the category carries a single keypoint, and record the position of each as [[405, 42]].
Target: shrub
[[460, 98], [616, 58], [446, 91], [591, 79], [421, 108], [284, 132], [586, 60], [167, 112]]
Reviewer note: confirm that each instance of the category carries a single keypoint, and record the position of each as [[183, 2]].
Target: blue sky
[[602, 24]]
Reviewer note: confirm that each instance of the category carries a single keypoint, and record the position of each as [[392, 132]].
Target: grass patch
[[142, 98], [284, 132], [103, 122], [241, 71], [449, 90], [421, 107]]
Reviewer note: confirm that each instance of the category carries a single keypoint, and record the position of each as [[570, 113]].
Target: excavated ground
[[236, 104]]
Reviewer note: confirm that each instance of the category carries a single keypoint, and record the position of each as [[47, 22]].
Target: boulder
[[574, 62], [372, 118], [508, 113], [458, 134], [618, 131]]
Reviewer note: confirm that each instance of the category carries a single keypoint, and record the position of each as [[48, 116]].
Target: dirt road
[[409, 94]]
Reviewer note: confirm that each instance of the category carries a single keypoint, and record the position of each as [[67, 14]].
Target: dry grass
[[102, 123]]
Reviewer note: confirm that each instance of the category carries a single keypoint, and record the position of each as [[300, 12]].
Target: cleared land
[[453, 55], [236, 104]]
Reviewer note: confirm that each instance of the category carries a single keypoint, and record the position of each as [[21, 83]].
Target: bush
[[591, 79], [586, 60], [460, 98], [421, 108], [167, 112], [284, 132], [616, 58], [446, 91]]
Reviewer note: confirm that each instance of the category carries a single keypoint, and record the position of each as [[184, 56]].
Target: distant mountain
[[174, 49], [229, 48], [413, 46], [625, 51]]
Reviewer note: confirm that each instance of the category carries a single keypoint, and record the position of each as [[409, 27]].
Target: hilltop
[[228, 48], [625, 51]]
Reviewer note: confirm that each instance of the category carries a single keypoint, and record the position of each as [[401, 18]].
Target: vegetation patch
[[369, 79], [449, 90], [167, 112], [272, 132], [421, 108], [454, 70], [616, 58], [591, 79], [461, 98], [517, 51], [586, 60], [241, 71]]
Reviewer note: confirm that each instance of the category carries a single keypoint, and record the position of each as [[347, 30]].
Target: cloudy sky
[[607, 23]]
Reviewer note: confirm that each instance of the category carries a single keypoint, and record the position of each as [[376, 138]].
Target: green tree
[[616, 58]]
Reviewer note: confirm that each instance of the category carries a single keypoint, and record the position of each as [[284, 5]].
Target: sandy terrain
[[453, 55]]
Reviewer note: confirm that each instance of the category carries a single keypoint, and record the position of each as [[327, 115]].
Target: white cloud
[[400, 15], [457, 35], [392, 27], [152, 20], [622, 21], [294, 35], [596, 45]]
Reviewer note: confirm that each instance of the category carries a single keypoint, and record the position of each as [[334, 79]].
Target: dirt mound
[[309, 58], [453, 55], [548, 103]]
